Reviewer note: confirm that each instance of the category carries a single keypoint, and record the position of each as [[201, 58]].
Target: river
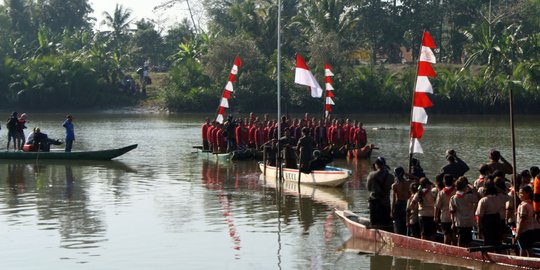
[[164, 206]]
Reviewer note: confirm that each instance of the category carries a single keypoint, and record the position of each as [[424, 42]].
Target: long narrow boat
[[359, 229], [78, 155], [367, 247], [331, 176]]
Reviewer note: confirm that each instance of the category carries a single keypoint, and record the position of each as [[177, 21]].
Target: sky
[[144, 9]]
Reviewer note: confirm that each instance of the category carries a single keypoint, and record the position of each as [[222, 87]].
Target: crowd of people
[[298, 140], [36, 140], [492, 207]]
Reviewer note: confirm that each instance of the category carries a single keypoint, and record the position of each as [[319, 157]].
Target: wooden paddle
[[300, 164]]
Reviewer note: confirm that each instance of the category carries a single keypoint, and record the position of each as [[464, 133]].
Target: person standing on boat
[[304, 150], [462, 210], [204, 132], [21, 126], [320, 135], [70, 132], [413, 222], [379, 183], [494, 164], [286, 143], [442, 209], [488, 213], [527, 226], [400, 195], [242, 136], [455, 167], [535, 176], [361, 136], [12, 130], [229, 131], [425, 197]]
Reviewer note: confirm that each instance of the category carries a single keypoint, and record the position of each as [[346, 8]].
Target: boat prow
[[331, 177]]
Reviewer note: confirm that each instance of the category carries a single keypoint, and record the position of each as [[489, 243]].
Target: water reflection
[[388, 256], [303, 203], [55, 196]]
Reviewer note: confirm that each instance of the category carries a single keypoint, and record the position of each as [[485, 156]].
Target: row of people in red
[[251, 132]]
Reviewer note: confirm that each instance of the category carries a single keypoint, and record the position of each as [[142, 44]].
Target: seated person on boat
[[319, 162], [38, 141]]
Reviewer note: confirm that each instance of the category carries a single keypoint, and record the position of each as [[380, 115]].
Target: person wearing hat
[[379, 183], [70, 132], [494, 164]]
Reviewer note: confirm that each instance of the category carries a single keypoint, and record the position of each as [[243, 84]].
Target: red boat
[[359, 230]]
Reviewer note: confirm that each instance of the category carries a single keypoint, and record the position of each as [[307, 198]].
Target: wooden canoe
[[78, 155], [331, 176], [358, 228]]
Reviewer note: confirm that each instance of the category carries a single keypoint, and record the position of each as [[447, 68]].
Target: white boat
[[331, 176]]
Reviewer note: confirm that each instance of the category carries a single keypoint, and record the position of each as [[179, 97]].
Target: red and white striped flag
[[304, 76], [421, 100], [224, 103], [329, 89]]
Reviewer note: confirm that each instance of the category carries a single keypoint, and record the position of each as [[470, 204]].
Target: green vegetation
[[51, 57]]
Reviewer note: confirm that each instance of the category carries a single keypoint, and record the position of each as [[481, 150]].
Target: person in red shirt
[[352, 133], [210, 135], [204, 132], [346, 129], [252, 135], [220, 139], [338, 136], [362, 136], [242, 136], [215, 142], [330, 131], [259, 136]]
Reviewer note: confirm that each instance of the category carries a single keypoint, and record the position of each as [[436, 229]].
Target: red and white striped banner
[[227, 92], [329, 90], [421, 100]]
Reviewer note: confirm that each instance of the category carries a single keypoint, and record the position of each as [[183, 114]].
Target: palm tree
[[119, 22]]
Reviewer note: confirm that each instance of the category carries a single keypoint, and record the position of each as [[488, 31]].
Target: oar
[[264, 161], [300, 165], [37, 155]]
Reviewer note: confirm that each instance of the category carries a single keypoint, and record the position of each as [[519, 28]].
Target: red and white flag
[[224, 103], [304, 76], [329, 88], [421, 100]]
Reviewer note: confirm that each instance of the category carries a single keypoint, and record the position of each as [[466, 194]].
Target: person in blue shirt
[[70, 132]]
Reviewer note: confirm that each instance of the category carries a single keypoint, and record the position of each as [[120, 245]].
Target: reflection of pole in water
[[279, 193], [69, 182]]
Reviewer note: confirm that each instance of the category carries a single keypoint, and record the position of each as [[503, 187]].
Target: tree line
[[52, 56]]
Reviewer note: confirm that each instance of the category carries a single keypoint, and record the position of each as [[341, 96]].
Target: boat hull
[[81, 155], [361, 231], [331, 178]]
